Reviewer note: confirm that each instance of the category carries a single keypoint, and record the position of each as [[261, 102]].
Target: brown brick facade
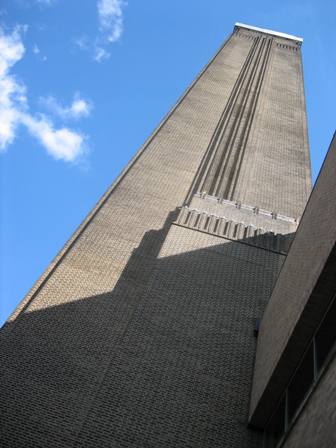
[[140, 333]]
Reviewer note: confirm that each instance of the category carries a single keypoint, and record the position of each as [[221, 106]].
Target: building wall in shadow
[[165, 358]]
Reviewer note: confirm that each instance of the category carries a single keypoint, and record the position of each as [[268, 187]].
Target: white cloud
[[12, 102], [78, 108], [61, 143], [8, 122], [100, 54], [12, 93], [111, 18], [11, 50]]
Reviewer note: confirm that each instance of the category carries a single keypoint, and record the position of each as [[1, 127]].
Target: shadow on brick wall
[[165, 359]]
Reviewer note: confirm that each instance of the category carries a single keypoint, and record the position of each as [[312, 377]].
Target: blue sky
[[84, 82]]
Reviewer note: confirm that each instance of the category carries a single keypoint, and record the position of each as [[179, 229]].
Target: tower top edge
[[266, 31]]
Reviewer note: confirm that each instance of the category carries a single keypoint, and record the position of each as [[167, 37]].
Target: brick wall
[[140, 333], [299, 298], [315, 425]]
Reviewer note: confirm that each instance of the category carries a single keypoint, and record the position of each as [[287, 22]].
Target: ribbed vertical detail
[[221, 170]]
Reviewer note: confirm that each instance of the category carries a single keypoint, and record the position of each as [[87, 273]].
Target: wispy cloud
[[82, 42], [46, 2], [110, 18], [37, 52], [36, 49], [62, 143], [79, 107], [100, 54]]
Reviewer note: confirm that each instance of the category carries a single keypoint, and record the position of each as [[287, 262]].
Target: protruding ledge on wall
[[266, 31]]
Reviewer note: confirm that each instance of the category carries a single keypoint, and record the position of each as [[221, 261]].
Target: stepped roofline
[[266, 31]]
